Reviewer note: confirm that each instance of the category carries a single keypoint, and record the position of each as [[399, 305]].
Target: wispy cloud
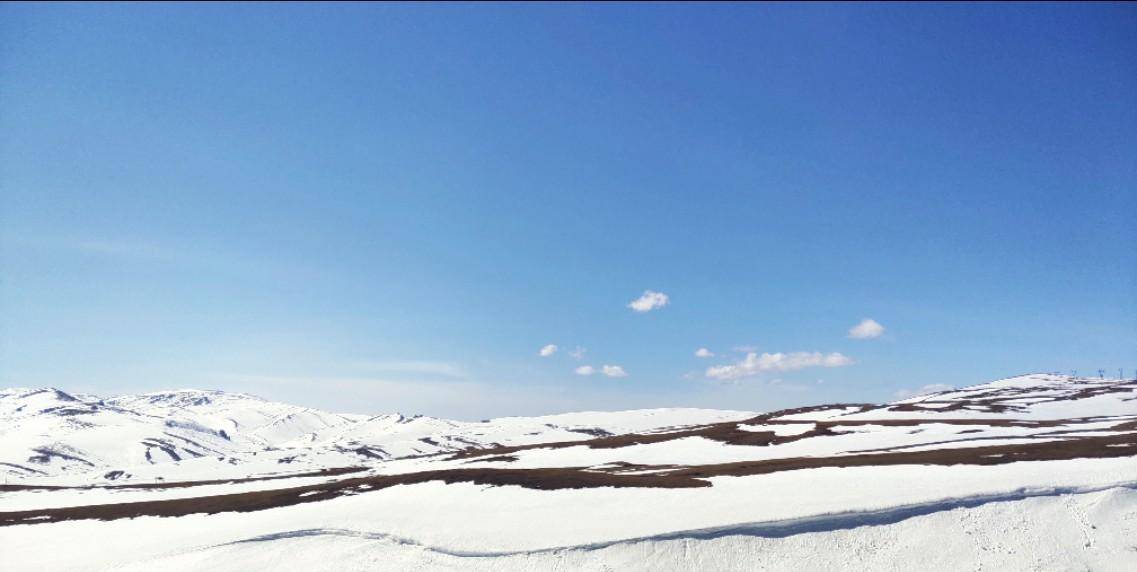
[[925, 390], [420, 367], [754, 364], [547, 350], [374, 395], [866, 330], [132, 249], [650, 300], [578, 353], [128, 249], [614, 371], [704, 353], [144, 251], [585, 370]]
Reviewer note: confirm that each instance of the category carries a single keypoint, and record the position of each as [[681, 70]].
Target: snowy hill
[[1032, 472], [182, 434]]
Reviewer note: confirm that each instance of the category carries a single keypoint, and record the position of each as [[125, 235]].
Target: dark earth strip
[[576, 477], [183, 484]]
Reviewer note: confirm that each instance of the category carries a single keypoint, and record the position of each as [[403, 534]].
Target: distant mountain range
[[48, 432]]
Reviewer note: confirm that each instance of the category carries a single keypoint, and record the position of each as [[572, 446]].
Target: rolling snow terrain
[[1037, 472]]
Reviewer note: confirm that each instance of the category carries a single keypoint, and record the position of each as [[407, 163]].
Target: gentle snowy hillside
[[1032, 472], [189, 433]]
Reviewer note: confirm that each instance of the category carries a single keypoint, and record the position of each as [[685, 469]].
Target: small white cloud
[[578, 353], [614, 371], [754, 364], [930, 388], [704, 352], [548, 350], [585, 370], [866, 330], [744, 349], [649, 301]]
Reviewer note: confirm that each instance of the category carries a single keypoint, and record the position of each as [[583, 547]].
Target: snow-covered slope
[[1033, 472], [48, 432], [194, 433]]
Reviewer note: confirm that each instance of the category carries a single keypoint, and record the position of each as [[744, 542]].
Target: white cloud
[[744, 349], [866, 330], [608, 370], [930, 388], [704, 352], [578, 353], [649, 301], [755, 364], [614, 371], [548, 350]]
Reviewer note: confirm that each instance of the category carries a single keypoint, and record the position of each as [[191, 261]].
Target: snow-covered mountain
[[49, 432], [1033, 472], [190, 433]]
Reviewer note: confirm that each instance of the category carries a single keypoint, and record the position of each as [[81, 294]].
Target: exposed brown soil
[[576, 477], [544, 479], [1086, 447], [497, 459], [1063, 445], [332, 472], [729, 432], [993, 401]]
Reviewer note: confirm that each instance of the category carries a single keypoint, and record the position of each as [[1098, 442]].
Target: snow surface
[[1069, 532], [194, 434], [1071, 514]]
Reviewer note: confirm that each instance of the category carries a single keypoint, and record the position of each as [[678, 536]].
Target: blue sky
[[383, 207]]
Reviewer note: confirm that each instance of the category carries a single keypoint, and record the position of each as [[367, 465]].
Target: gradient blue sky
[[382, 207]]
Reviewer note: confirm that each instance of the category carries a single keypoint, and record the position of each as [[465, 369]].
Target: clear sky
[[372, 208]]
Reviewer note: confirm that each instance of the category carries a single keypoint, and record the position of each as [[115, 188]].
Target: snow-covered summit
[[184, 398], [48, 432]]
